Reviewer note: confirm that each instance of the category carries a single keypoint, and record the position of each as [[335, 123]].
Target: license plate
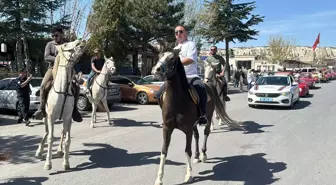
[[266, 99]]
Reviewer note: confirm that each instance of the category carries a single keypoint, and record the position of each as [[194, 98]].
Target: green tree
[[280, 49], [223, 20], [25, 19]]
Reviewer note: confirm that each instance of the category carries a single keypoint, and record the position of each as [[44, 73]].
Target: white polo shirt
[[189, 50]]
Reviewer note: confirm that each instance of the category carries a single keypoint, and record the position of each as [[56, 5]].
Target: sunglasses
[[178, 32], [55, 35], [213, 49]]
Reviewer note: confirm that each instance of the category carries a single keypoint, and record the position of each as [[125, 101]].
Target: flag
[[317, 41]]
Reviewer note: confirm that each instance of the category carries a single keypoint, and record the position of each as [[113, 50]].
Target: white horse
[[99, 90], [210, 77], [60, 101]]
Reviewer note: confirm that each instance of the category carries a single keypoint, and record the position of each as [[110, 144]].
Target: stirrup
[[203, 120]]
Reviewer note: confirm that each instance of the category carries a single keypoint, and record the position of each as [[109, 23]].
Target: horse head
[[71, 51], [167, 63], [209, 72], [110, 64]]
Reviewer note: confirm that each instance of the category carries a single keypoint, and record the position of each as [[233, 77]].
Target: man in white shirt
[[188, 56]]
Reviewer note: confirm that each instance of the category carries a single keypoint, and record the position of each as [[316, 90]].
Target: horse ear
[[176, 52], [105, 57]]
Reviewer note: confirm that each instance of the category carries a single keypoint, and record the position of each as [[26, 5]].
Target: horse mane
[[182, 74], [55, 68]]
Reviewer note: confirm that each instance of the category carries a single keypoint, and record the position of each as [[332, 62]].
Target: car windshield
[[139, 80], [36, 82], [273, 80]]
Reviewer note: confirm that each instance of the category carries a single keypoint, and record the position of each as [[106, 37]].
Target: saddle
[[192, 92]]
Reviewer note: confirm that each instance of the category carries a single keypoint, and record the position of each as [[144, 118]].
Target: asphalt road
[[287, 147]]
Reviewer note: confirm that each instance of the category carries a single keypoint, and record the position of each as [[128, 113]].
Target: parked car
[[135, 88], [277, 90], [113, 95], [308, 78], [152, 79], [8, 94], [304, 88]]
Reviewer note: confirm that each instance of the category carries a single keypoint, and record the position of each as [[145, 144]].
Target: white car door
[[294, 88]]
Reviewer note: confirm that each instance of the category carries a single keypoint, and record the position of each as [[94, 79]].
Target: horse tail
[[220, 109]]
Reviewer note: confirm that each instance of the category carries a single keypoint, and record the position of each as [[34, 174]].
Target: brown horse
[[180, 110]]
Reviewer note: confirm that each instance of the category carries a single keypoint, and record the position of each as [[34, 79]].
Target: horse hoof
[[47, 167], [158, 183], [92, 126], [187, 179], [196, 161], [111, 123], [60, 153], [204, 157], [66, 166], [212, 127]]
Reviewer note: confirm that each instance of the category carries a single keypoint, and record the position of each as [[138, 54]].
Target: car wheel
[[83, 103], [142, 98]]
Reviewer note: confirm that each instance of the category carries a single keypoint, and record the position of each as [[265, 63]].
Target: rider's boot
[[40, 113], [76, 116], [225, 90]]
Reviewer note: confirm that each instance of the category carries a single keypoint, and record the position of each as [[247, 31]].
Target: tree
[[23, 19], [280, 49], [222, 20], [121, 26]]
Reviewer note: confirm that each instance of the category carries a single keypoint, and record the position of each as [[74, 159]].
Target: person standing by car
[[23, 96]]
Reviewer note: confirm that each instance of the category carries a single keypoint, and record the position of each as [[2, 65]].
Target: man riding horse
[[50, 54], [188, 56], [218, 61]]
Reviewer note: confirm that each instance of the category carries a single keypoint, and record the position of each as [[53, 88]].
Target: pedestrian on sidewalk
[[23, 96]]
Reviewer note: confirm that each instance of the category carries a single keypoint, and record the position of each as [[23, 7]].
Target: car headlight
[[300, 89], [251, 93], [152, 91], [286, 93]]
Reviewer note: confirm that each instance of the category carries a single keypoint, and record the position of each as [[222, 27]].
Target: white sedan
[[280, 90]]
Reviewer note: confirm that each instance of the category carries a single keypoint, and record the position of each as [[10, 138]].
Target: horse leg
[[204, 148], [51, 120], [60, 152], [197, 153], [93, 117], [67, 129], [167, 132], [40, 148], [107, 111], [188, 176]]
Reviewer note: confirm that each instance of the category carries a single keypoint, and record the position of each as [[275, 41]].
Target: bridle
[[211, 78], [108, 72]]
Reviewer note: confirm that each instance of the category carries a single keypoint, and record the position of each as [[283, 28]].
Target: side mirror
[[294, 84], [252, 83], [130, 84]]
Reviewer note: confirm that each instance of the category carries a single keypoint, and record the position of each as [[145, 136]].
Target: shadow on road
[[124, 122], [21, 148], [316, 88], [9, 121], [300, 105], [107, 156], [251, 169], [250, 127], [308, 96], [25, 181]]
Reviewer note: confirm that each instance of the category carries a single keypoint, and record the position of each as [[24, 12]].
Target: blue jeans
[[92, 73], [199, 87]]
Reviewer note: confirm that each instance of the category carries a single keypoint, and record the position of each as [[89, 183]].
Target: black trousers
[[23, 107], [225, 86], [199, 87]]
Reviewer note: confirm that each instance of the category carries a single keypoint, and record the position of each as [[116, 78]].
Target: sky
[[300, 20]]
